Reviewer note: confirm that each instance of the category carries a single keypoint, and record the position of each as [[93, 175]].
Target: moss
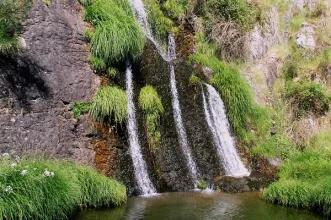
[[53, 189], [194, 80], [152, 107], [202, 184], [110, 105]]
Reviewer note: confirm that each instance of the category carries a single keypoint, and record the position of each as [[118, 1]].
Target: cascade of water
[[139, 165], [141, 16], [219, 126], [178, 114]]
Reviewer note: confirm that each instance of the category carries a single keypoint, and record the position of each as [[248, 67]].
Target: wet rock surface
[[173, 172], [39, 86]]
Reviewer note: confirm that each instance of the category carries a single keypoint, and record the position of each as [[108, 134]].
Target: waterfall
[[141, 16], [178, 114], [219, 126], [139, 165]]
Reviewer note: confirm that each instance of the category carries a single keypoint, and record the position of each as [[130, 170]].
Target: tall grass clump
[[304, 182], [117, 34], [52, 189], [242, 111], [110, 105], [12, 13], [150, 102]]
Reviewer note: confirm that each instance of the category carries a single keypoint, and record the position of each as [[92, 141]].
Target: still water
[[198, 206]]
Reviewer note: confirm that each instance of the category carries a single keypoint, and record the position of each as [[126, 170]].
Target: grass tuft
[[110, 104], [53, 189]]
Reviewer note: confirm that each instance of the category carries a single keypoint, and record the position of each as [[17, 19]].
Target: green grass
[[80, 108], [243, 113], [39, 195], [117, 35], [304, 182], [150, 102], [194, 80], [110, 105]]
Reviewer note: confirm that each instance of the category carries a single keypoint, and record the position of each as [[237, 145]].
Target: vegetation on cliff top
[[52, 189]]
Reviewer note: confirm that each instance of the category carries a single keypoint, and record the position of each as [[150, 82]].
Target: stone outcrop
[[306, 37], [263, 37], [39, 86]]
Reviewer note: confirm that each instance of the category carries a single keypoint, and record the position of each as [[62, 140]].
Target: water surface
[[198, 206]]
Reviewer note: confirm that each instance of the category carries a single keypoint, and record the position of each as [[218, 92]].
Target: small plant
[[194, 80], [202, 185], [151, 104], [307, 97], [110, 105], [319, 10], [112, 72], [80, 108]]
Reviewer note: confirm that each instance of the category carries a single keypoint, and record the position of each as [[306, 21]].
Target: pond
[[198, 206]]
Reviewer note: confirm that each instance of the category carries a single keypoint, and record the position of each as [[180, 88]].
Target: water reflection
[[198, 206]]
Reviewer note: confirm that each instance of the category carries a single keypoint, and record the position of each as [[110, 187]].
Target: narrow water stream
[[198, 206]]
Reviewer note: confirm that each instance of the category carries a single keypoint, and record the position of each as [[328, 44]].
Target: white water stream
[[219, 126], [140, 169]]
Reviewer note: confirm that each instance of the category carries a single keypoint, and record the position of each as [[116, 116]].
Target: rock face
[[39, 85], [306, 37], [262, 38]]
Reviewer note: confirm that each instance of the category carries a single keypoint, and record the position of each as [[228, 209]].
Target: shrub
[[97, 63], [304, 182], [110, 105], [80, 108], [117, 35], [152, 107], [12, 13], [237, 96], [237, 11], [53, 189], [307, 97]]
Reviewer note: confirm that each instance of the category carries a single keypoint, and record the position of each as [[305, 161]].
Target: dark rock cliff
[[39, 85]]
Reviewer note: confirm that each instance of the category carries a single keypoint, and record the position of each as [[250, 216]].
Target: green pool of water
[[198, 206]]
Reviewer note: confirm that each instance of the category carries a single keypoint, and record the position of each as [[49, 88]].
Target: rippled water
[[198, 206]]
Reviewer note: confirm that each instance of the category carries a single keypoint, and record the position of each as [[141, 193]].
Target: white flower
[[52, 174], [13, 165], [5, 154], [9, 189], [24, 172], [17, 158], [47, 173]]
